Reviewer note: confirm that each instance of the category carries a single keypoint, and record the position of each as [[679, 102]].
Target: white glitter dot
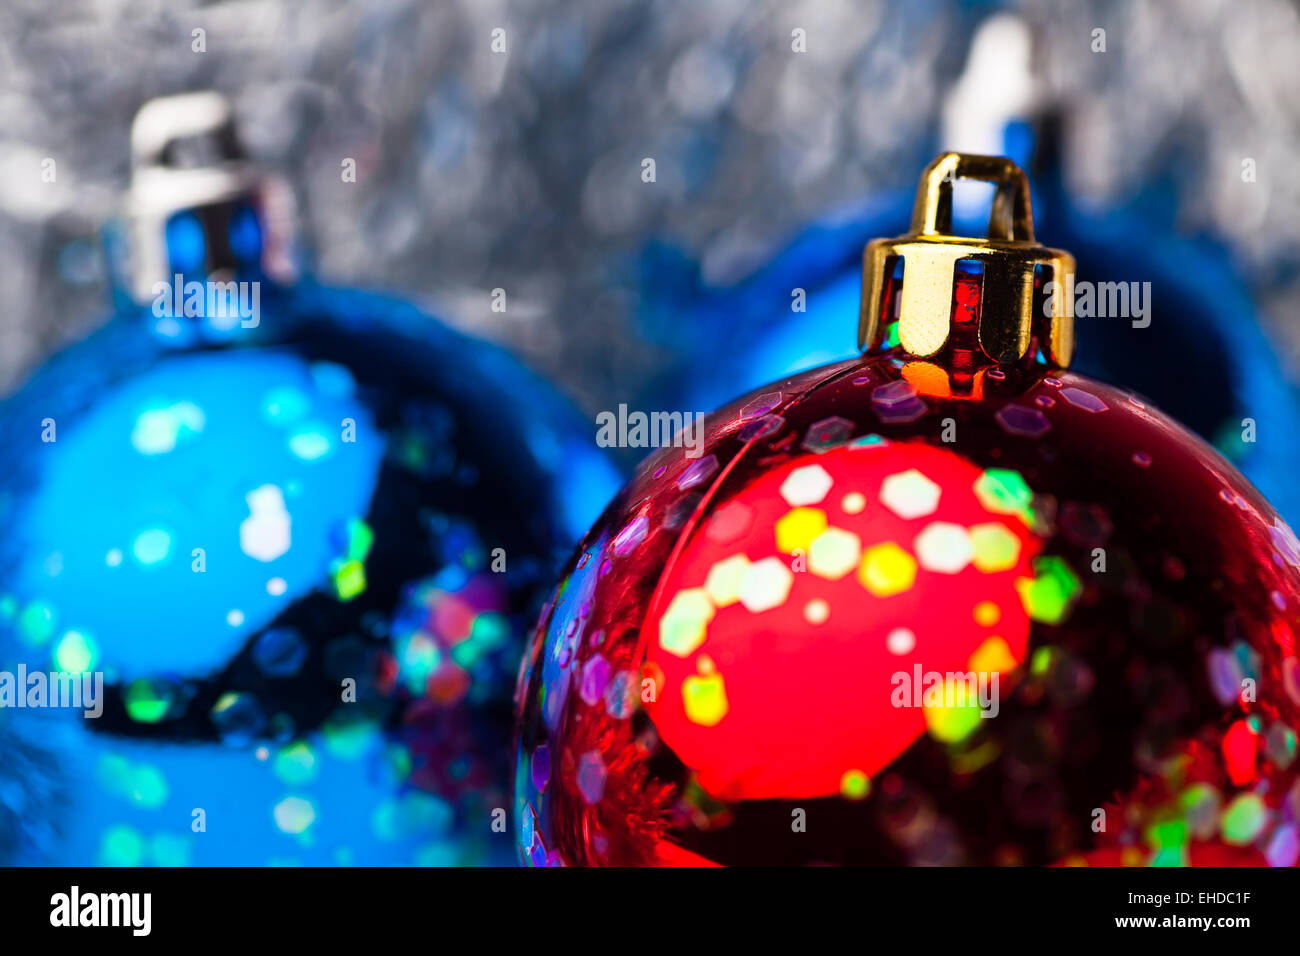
[[765, 584], [806, 486], [900, 641], [264, 534], [909, 494], [816, 612], [235, 618], [276, 586]]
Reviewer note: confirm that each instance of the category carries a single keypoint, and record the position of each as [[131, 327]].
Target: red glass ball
[[893, 614]]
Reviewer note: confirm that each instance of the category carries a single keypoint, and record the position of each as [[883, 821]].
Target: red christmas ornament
[[948, 603]]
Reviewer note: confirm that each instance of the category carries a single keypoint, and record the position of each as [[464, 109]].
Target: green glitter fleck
[[225, 702], [490, 629], [121, 846], [75, 653], [146, 702], [468, 653], [953, 724], [1003, 491], [1228, 441], [1048, 595], [891, 335], [349, 579], [36, 623], [348, 737], [148, 786], [855, 785], [1170, 856], [1167, 834], [296, 764], [360, 539], [1243, 819]]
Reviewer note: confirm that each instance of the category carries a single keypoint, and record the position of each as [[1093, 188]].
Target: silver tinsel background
[[479, 170]]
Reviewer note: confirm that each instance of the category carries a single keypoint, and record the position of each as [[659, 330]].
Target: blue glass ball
[[302, 551]]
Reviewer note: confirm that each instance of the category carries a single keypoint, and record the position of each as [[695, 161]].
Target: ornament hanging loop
[[1011, 326], [1011, 219]]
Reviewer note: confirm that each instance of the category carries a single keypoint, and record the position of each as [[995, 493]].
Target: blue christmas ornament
[[297, 532], [786, 317]]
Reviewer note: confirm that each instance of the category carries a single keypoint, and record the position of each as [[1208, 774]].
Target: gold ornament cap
[[1009, 321], [186, 156]]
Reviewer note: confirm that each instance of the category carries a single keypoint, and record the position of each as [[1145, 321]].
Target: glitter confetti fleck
[[1081, 399], [887, 569], [816, 612], [765, 584], [75, 653], [704, 696], [591, 776], [1244, 819], [264, 534], [1047, 596], [724, 580], [682, 628], [152, 546], [806, 486], [855, 785], [834, 553], [995, 547], [900, 641], [827, 434], [1004, 492], [294, 815], [909, 494], [1026, 422], [796, 529], [944, 547]]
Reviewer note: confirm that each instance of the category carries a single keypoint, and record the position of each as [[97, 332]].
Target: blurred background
[[522, 170]]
